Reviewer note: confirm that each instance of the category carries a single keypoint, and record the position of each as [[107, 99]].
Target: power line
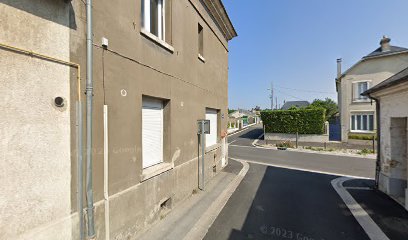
[[290, 95], [304, 90]]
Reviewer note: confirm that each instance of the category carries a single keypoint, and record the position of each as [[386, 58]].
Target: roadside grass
[[365, 151], [285, 144], [319, 149]]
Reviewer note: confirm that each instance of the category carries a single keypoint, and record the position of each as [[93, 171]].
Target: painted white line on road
[[367, 223], [256, 140], [233, 141], [201, 227], [358, 188], [301, 169]]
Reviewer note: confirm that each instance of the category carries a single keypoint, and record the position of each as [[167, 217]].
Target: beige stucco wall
[[393, 104], [35, 159], [375, 70]]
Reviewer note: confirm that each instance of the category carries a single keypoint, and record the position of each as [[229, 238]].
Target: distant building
[[298, 104], [391, 97], [357, 113]]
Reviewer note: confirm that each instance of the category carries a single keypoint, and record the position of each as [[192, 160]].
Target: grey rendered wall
[[141, 67]]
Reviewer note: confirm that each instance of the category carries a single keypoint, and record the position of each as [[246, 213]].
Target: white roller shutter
[[152, 132], [211, 139]]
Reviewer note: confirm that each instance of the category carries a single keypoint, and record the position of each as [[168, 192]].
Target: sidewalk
[[391, 217], [182, 222]]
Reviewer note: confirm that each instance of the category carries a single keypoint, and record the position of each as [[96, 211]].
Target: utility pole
[[271, 96], [276, 103]]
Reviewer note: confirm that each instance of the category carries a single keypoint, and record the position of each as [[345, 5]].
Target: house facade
[[357, 112], [158, 67], [391, 97]]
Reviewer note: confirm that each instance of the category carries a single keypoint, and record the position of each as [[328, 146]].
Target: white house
[[391, 97], [357, 113]]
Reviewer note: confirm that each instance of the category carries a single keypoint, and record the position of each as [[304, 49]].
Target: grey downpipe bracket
[[89, 99]]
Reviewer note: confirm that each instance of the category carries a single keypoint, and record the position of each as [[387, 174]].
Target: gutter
[[378, 162], [89, 102]]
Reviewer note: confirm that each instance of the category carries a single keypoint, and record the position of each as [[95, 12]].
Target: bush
[[285, 144], [362, 136], [365, 152], [303, 121]]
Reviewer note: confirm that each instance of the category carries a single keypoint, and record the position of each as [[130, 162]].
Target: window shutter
[[354, 91], [152, 132]]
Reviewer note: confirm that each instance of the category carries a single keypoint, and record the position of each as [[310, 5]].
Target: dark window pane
[[353, 122], [358, 122], [200, 40], [371, 122], [153, 17], [365, 127]]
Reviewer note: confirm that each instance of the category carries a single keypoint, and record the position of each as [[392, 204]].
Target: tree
[[231, 111], [328, 104]]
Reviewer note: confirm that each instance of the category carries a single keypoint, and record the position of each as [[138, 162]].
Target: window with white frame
[[154, 17], [212, 115], [358, 89], [362, 122]]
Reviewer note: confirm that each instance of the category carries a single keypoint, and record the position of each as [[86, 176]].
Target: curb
[[255, 144], [201, 227], [373, 231]]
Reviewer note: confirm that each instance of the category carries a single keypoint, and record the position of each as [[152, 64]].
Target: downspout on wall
[[89, 99], [378, 162]]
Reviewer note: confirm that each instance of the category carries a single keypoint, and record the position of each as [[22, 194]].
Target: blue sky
[[295, 44]]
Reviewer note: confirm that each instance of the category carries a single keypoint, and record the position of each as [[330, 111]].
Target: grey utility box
[[206, 129]]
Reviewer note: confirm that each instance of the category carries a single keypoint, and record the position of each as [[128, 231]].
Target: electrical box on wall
[[105, 42]]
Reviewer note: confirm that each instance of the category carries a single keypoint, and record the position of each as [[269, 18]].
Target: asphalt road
[[281, 203]]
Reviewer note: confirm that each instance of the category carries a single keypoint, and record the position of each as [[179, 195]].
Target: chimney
[[339, 68], [385, 44]]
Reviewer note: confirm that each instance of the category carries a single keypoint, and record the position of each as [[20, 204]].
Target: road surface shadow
[[286, 204], [253, 134]]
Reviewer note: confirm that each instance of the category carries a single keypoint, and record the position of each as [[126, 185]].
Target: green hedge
[[303, 121], [362, 136]]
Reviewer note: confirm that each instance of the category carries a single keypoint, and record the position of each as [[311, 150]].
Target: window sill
[[212, 147], [362, 101], [201, 58], [362, 131], [157, 40], [155, 170]]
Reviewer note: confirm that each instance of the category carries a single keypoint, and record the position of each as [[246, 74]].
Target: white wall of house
[[373, 70], [393, 109], [35, 159]]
